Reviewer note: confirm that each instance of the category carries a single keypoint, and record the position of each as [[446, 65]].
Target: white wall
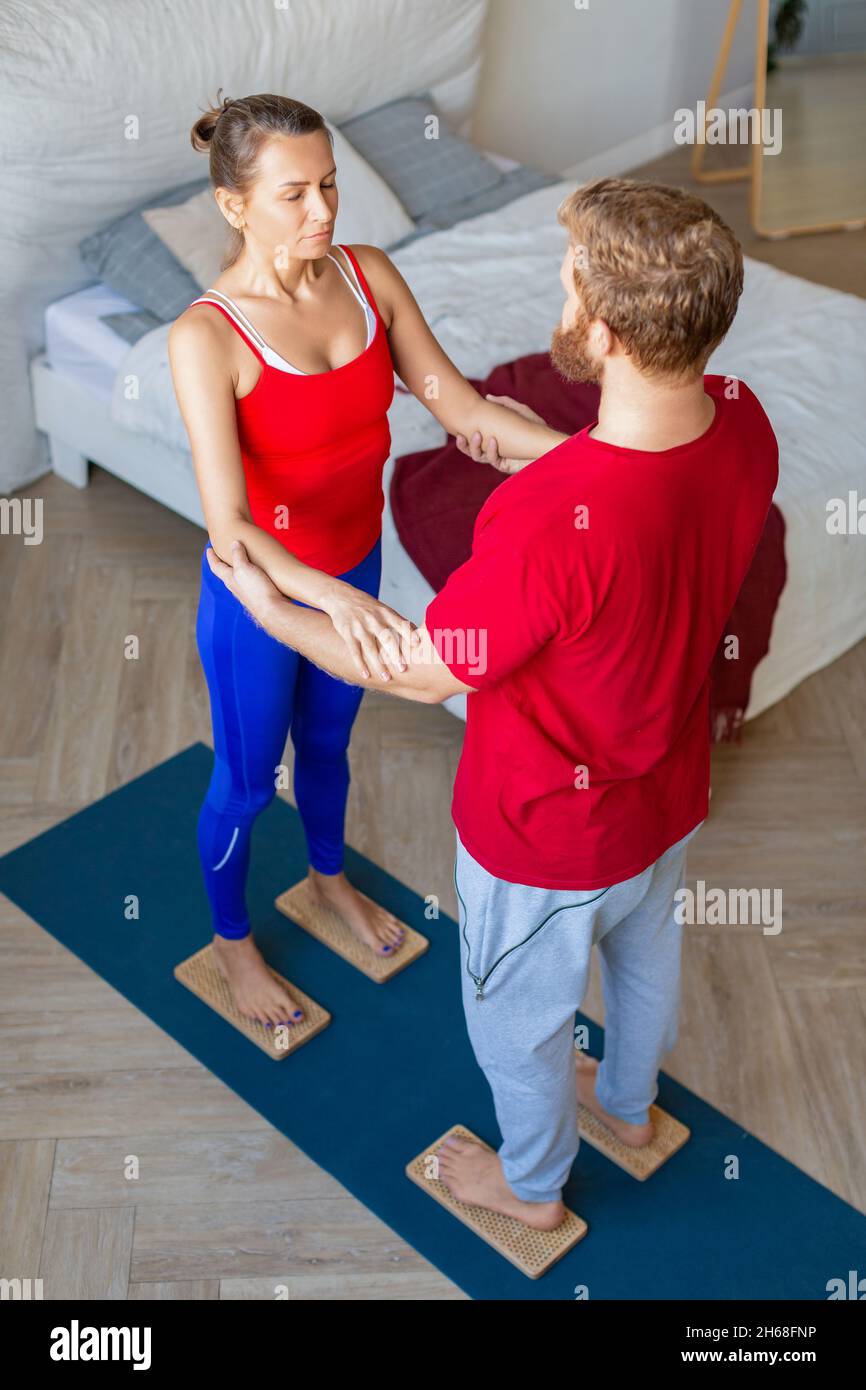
[[586, 91], [831, 26]]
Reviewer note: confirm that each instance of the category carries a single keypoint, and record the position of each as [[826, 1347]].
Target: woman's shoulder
[[200, 328], [380, 272], [375, 263], [364, 254], [195, 319]]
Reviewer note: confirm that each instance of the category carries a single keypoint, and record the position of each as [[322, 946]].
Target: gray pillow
[[425, 174], [513, 184], [130, 258], [133, 324]]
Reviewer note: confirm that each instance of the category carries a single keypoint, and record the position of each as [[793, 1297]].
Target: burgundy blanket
[[437, 494]]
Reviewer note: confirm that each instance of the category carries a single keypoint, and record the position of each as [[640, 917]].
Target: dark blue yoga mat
[[394, 1069]]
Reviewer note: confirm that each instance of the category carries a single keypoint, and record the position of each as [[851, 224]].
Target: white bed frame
[[80, 432]]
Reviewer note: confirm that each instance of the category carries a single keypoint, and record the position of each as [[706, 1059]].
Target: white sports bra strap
[[268, 353], [217, 297], [358, 293]]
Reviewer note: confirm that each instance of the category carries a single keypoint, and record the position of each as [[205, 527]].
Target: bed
[[488, 284], [490, 291]]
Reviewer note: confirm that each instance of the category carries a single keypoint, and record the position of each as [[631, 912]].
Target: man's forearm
[[313, 635], [426, 678]]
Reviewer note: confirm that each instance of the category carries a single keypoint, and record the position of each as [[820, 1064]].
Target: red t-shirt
[[586, 618]]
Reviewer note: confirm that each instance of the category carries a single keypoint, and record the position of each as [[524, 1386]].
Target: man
[[583, 627]]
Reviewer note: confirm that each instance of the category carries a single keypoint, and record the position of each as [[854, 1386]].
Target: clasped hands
[[376, 636]]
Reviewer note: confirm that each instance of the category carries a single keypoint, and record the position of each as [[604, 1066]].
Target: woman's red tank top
[[314, 447]]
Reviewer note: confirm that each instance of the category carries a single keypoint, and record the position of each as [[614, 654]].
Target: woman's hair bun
[[202, 132]]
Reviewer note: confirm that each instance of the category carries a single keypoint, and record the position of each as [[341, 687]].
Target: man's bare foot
[[377, 928], [635, 1136], [255, 992], [474, 1175]]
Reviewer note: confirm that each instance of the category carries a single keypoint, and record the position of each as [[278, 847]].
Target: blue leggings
[[260, 691]]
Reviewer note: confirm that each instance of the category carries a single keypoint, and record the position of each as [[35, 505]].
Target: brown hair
[[233, 131], [659, 266]]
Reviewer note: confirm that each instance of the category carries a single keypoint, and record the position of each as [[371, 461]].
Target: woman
[[284, 372]]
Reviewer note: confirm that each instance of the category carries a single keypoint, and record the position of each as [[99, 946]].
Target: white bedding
[[490, 291], [79, 345]]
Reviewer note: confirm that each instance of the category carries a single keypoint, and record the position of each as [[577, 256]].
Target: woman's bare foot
[[474, 1175], [377, 928], [255, 992], [635, 1136]]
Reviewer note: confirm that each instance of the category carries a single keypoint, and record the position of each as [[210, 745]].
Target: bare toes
[[290, 1012], [452, 1147]]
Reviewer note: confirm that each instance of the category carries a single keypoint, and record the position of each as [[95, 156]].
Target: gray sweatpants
[[525, 956]]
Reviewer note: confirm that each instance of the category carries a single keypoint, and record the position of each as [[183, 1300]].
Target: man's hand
[[376, 636], [490, 453], [249, 584]]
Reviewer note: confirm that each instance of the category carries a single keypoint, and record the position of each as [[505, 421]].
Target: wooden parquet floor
[[773, 1028]]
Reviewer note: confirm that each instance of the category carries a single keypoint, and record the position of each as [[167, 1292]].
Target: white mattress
[[79, 345], [490, 291]]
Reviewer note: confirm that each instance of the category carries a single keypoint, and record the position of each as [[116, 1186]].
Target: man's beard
[[568, 352]]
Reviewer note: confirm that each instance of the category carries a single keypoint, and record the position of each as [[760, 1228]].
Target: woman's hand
[[371, 630], [490, 453]]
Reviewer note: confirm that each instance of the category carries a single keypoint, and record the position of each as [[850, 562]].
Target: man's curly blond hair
[[659, 266]]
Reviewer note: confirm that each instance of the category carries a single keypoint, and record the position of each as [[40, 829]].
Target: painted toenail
[[296, 1014]]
